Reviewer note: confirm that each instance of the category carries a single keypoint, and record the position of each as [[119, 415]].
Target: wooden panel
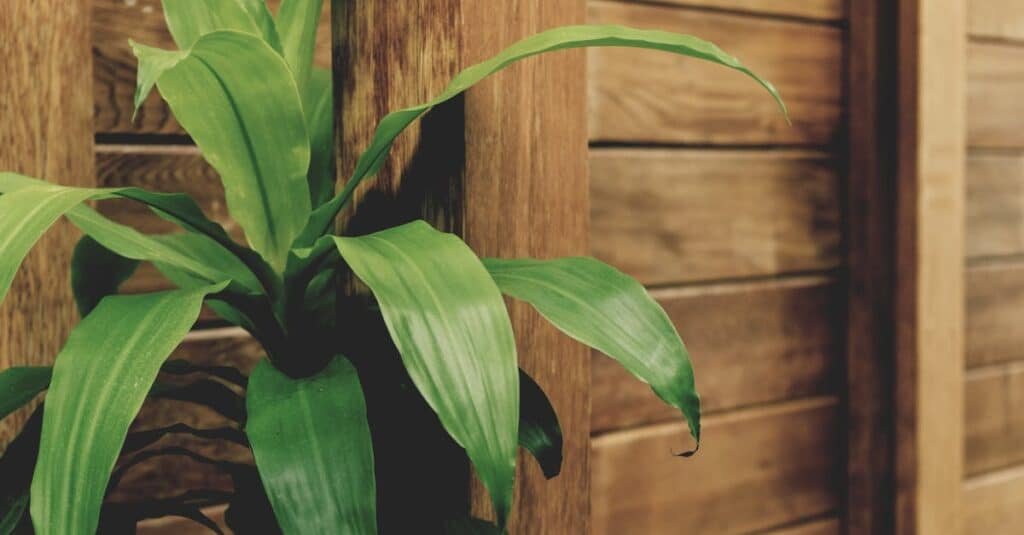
[[999, 19], [994, 418], [512, 134], [116, 21], [995, 302], [825, 10], [750, 343], [668, 216], [758, 468], [994, 503], [930, 266], [830, 526], [995, 81], [169, 476], [180, 526], [46, 131], [645, 97], [995, 203]]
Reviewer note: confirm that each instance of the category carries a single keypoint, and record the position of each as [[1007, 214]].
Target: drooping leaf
[[313, 450], [19, 385], [539, 431], [220, 91], [318, 105], [566, 37], [100, 379], [97, 272], [449, 323], [188, 20], [611, 312], [297, 21]]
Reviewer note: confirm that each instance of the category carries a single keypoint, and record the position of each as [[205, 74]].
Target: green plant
[[243, 87]]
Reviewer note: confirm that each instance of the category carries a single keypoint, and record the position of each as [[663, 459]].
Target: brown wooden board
[[116, 21], [994, 418], [995, 81], [994, 503], [758, 469], [669, 215], [995, 299], [46, 132], [823, 10], [995, 203], [654, 97], [996, 19], [750, 343], [827, 526]]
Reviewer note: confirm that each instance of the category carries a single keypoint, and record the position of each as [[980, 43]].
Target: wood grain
[[655, 97], [995, 299], [46, 132], [823, 10], [930, 268], [995, 203], [828, 526], [995, 81], [750, 343], [483, 166], [116, 21], [667, 216], [994, 418], [994, 503], [996, 19], [758, 469]]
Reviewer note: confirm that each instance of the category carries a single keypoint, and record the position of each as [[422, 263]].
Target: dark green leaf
[[100, 379], [539, 431], [609, 311], [97, 272], [318, 105], [313, 450], [19, 385], [449, 323]]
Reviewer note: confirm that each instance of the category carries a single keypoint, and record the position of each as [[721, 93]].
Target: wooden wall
[[994, 390], [733, 219]]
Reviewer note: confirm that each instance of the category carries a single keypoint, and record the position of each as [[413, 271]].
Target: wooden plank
[[995, 203], [116, 21], [751, 343], [481, 169], [758, 469], [823, 10], [828, 526], [46, 132], [996, 19], [995, 81], [170, 476], [994, 503], [994, 418], [930, 267], [654, 97], [181, 526], [995, 299], [668, 216]]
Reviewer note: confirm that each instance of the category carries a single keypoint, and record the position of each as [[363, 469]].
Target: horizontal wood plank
[[828, 526], [823, 10], [653, 97], [995, 301], [994, 418], [169, 476], [995, 82], [994, 503], [116, 21], [996, 19], [667, 216], [750, 343], [759, 468], [995, 203]]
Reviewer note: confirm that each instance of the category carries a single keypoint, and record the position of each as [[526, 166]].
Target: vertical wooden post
[[506, 167], [46, 131], [930, 266]]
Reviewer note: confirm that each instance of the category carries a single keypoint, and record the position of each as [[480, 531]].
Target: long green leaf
[[318, 105], [20, 385], [313, 450], [97, 272], [449, 322], [221, 92], [188, 20], [100, 379], [609, 311], [297, 21], [555, 39]]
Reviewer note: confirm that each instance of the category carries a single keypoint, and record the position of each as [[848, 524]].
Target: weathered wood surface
[[116, 21], [995, 203], [996, 19], [930, 266], [750, 343], [994, 418], [995, 299], [490, 179], [994, 503], [828, 526], [823, 10], [667, 216], [758, 469], [654, 97], [995, 81], [46, 132]]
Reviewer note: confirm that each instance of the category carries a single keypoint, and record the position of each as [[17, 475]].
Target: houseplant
[[243, 87]]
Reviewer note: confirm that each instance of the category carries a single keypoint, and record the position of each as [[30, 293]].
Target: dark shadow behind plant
[[364, 403]]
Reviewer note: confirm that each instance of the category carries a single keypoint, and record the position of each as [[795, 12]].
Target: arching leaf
[[188, 20], [21, 384]]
